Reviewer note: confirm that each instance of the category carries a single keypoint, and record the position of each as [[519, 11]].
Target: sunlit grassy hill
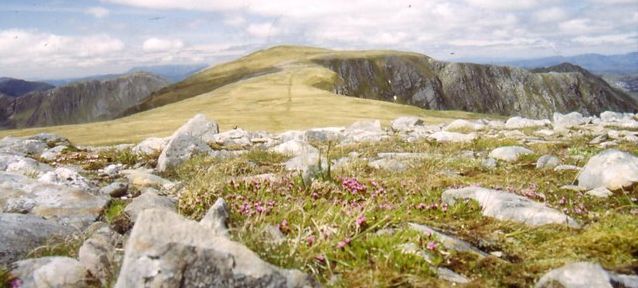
[[276, 89]]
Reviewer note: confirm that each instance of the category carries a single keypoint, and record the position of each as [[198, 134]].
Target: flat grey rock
[[508, 206], [148, 200], [19, 234], [51, 271], [509, 153], [547, 162], [585, 275]]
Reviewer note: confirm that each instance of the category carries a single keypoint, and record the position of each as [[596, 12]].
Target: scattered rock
[[144, 178], [451, 276], [98, 254], [168, 250], [612, 169], [150, 146], [444, 136], [509, 153], [585, 274], [216, 218], [564, 167], [508, 206], [53, 153], [20, 194], [520, 123], [22, 146], [52, 271], [406, 124], [600, 192], [464, 125], [66, 176], [570, 120], [148, 200], [235, 137], [448, 241], [189, 140], [547, 162], [328, 134], [364, 131]]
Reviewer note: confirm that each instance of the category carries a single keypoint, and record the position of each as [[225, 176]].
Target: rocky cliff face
[[431, 84], [79, 102]]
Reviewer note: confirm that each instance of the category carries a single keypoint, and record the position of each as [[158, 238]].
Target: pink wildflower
[[310, 240], [343, 243], [432, 246], [361, 221]]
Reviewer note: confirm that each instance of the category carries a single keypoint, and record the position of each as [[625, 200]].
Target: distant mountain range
[[17, 87], [596, 63], [172, 73]]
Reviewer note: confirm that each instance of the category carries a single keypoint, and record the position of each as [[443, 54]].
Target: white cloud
[[98, 12], [505, 4], [550, 15], [235, 21], [153, 45], [615, 39]]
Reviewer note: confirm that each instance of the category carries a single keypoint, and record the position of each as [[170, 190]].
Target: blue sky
[[63, 38]]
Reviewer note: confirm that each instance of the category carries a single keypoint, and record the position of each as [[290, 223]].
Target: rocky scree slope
[[431, 205], [79, 102], [415, 79]]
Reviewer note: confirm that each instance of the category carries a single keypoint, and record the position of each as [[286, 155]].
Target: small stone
[[148, 200], [547, 162], [600, 192], [489, 163], [509, 153], [115, 189], [51, 271], [612, 169]]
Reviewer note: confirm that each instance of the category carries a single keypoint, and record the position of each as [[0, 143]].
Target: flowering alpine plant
[[353, 185], [361, 221], [343, 243], [431, 246]]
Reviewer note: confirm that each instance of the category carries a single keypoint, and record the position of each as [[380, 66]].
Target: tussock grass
[[351, 238]]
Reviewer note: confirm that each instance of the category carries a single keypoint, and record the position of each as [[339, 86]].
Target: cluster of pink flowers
[[361, 221], [343, 243], [433, 206], [250, 209], [431, 246], [531, 192], [353, 185]]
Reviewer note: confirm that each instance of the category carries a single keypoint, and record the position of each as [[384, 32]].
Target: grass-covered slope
[[294, 96]]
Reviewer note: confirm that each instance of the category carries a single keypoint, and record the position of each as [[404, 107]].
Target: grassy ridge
[[296, 97]]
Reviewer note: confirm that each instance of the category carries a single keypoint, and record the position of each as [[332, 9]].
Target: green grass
[[296, 95], [326, 213]]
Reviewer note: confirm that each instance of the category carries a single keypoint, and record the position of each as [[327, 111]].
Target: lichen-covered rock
[[520, 123], [150, 146], [464, 125], [508, 206], [547, 162], [144, 178], [448, 241], [570, 120], [115, 189], [364, 131], [166, 250], [97, 254]]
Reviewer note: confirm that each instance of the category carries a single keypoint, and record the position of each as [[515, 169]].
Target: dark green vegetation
[[347, 230]]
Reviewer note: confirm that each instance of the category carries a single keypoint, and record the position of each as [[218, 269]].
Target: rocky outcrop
[[79, 102], [424, 82]]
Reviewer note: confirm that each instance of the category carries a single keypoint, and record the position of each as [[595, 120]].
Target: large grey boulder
[[166, 250], [22, 165], [189, 140], [570, 120], [21, 194], [508, 206], [585, 275], [295, 148], [520, 123], [509, 153], [326, 134], [148, 200], [50, 272], [66, 176], [20, 233], [611, 169], [406, 124], [115, 189]]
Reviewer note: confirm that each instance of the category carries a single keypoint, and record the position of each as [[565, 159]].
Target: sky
[[58, 39]]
